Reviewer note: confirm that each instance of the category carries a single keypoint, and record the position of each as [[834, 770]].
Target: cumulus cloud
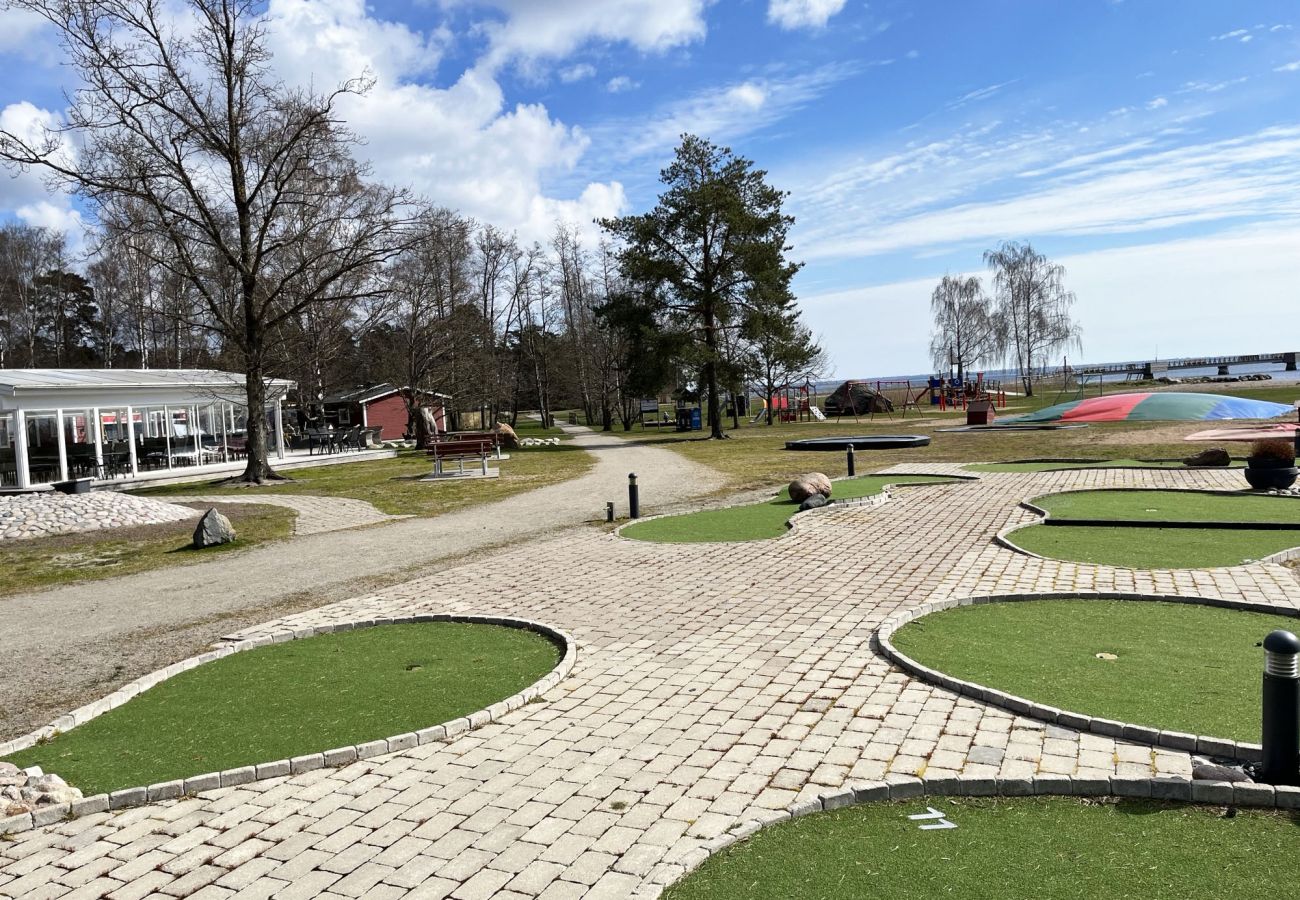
[[791, 14], [621, 83], [578, 72], [26, 193]]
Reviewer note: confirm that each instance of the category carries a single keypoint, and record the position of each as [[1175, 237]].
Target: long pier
[[1155, 368]]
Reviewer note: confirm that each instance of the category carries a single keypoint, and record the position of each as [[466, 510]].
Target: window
[[345, 415]]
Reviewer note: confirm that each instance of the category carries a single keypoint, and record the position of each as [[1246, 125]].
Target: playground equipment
[[791, 404], [861, 442]]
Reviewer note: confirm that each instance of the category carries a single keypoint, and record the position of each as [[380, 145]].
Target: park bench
[[492, 436], [459, 450]]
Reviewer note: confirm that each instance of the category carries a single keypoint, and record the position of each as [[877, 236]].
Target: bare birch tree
[[963, 332], [1032, 317]]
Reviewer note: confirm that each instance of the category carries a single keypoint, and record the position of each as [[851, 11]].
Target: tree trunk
[[258, 468], [711, 375]]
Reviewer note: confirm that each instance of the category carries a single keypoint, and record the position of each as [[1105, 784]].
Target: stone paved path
[[316, 515], [714, 684]]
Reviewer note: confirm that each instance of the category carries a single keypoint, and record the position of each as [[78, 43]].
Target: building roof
[[26, 387], [372, 392]]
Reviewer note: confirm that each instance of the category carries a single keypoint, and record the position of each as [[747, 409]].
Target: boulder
[[1211, 772], [509, 439], [816, 501], [213, 529], [11, 775], [1214, 456], [805, 486]]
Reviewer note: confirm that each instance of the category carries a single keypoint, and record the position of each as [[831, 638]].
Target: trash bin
[[695, 419], [73, 486], [979, 412]]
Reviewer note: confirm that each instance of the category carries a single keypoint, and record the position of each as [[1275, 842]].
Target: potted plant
[[1271, 464]]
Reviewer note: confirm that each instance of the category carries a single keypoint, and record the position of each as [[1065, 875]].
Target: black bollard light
[[852, 468], [609, 511], [1281, 712], [633, 497]]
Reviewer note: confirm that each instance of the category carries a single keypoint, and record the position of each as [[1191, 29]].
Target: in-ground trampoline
[[861, 442]]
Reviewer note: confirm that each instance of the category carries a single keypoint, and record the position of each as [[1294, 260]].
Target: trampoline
[[861, 442]]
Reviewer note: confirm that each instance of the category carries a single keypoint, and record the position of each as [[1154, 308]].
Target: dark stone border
[[1239, 751], [338, 756]]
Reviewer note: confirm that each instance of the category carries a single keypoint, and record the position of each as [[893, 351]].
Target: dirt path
[[72, 643]]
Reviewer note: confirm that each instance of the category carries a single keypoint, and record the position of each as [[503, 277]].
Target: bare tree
[[26, 253], [234, 173], [963, 332], [1033, 307]]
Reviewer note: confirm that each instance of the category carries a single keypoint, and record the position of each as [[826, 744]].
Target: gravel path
[[74, 643], [315, 514]]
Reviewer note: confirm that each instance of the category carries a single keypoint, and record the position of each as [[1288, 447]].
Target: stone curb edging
[[879, 499], [902, 787], [1238, 751], [1003, 536], [338, 756]]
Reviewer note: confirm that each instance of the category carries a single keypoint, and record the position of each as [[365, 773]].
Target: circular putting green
[[295, 698], [1039, 848], [1146, 545], [758, 521], [1175, 666]]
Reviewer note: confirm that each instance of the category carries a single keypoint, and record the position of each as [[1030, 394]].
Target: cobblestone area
[[713, 686], [24, 516], [316, 515]]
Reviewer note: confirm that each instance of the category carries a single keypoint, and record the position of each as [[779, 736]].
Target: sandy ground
[[65, 646]]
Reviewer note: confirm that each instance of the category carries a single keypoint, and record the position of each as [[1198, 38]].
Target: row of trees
[[238, 227], [1026, 320]]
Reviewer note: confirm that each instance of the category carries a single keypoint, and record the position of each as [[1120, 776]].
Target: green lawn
[[92, 555], [1142, 547], [299, 697], [1080, 464], [1171, 506], [1180, 667], [394, 485], [758, 521], [1023, 849]]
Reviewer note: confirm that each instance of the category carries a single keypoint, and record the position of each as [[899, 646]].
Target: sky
[[1150, 146]]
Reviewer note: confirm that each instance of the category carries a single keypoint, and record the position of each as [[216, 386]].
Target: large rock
[[805, 486], [213, 529], [509, 439], [1214, 456]]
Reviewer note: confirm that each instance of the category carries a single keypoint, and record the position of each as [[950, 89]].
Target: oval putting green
[[1142, 547], [299, 697], [1024, 849], [758, 521], [1171, 506], [1178, 666]]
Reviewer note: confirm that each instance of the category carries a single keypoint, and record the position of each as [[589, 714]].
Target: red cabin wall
[[388, 413]]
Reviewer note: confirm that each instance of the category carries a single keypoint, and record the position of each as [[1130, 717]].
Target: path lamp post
[[1281, 708], [852, 468], [609, 511], [633, 497]]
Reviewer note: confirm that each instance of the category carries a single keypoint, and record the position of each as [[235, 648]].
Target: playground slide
[[816, 412]]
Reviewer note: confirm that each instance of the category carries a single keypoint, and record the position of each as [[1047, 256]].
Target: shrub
[[1274, 450]]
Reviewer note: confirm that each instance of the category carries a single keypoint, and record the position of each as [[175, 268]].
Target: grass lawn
[[1171, 506], [1023, 849], [757, 521], [394, 487], [1083, 464], [299, 697], [1153, 548], [1180, 667], [92, 555]]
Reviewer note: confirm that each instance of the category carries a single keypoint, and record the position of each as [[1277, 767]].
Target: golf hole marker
[[931, 814]]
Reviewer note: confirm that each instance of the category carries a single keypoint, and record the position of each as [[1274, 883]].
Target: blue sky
[[1153, 147]]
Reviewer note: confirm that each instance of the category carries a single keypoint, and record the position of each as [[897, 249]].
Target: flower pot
[[1270, 474]]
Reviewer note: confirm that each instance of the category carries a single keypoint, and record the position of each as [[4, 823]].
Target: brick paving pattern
[[714, 684]]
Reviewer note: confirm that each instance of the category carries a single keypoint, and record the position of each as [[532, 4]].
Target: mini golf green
[[1024, 849], [1171, 506], [1178, 666], [758, 521], [1075, 464], [299, 697], [1153, 548]]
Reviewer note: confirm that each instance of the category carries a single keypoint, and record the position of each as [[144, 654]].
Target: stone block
[[340, 756], [308, 762], [276, 769], [166, 790], [128, 797], [1215, 793], [1245, 793], [1171, 789], [242, 775]]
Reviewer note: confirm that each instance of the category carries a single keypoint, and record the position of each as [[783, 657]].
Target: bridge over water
[[1156, 368]]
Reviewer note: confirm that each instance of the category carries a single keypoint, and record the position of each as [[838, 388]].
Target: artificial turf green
[[1143, 547], [294, 698], [1076, 464], [1179, 667], [1024, 849], [1171, 506], [758, 521]]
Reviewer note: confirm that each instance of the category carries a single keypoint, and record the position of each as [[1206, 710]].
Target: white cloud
[[1235, 34], [577, 73], [26, 194], [620, 84], [553, 29], [461, 146], [1157, 103], [1289, 67], [791, 14]]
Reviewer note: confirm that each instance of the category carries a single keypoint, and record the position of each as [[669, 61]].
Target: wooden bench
[[459, 450]]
